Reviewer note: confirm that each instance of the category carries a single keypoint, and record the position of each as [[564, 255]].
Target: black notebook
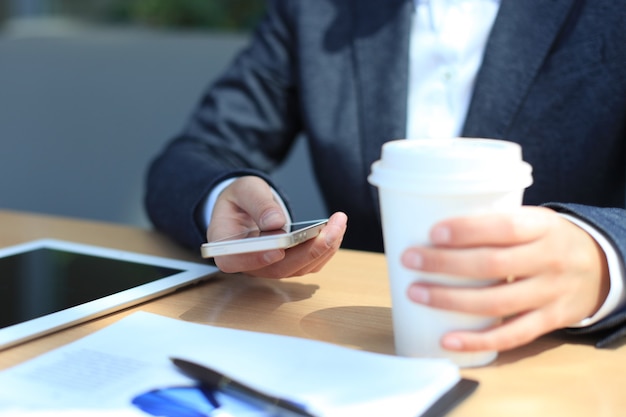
[[451, 398]]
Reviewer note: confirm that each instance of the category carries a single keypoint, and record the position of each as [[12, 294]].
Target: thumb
[[258, 199]]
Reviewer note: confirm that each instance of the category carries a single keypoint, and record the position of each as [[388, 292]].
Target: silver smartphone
[[254, 240]]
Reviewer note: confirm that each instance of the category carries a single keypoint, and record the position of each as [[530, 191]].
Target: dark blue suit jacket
[[553, 79]]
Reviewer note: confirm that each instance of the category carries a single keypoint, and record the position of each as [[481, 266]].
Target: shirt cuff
[[209, 203], [616, 295]]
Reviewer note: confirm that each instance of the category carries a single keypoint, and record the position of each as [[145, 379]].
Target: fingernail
[[419, 294], [452, 343], [440, 234], [273, 256], [330, 239]]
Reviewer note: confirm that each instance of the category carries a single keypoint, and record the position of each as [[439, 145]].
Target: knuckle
[[498, 263], [557, 265], [316, 252], [552, 319], [434, 260]]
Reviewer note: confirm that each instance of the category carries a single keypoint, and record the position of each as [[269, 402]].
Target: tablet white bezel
[[191, 272]]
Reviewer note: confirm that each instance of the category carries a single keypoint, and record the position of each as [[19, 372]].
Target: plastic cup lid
[[458, 165]]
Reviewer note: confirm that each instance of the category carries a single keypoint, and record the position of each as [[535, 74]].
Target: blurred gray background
[[85, 105]]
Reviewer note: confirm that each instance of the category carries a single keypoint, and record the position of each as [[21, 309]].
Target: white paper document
[[104, 371]]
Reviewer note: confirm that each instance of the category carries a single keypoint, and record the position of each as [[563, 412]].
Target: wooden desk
[[348, 304]]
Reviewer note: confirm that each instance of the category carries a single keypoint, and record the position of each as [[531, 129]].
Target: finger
[[481, 262], [498, 300], [298, 261], [513, 333], [248, 261], [332, 236], [253, 197], [310, 256], [519, 226], [307, 257]]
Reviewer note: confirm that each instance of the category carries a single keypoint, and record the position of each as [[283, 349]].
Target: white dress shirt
[[448, 39]]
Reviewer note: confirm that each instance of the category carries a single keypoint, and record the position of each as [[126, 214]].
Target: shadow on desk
[[353, 326], [550, 342], [273, 306]]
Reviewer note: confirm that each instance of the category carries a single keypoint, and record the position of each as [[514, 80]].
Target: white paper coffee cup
[[423, 181]]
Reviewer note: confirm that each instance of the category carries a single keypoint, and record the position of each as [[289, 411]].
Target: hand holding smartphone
[[255, 240]]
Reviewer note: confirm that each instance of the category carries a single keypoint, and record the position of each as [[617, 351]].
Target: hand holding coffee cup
[[424, 181]]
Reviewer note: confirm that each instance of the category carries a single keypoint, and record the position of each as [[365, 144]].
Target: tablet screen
[[43, 281], [47, 285]]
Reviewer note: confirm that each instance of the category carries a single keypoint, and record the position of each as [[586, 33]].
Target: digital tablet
[[47, 285]]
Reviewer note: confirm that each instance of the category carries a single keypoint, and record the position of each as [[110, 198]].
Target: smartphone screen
[[255, 240]]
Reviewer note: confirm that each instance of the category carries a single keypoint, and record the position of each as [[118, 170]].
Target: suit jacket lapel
[[381, 45], [519, 42]]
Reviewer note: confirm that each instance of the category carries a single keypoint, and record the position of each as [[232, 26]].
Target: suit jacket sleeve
[[244, 125], [609, 221]]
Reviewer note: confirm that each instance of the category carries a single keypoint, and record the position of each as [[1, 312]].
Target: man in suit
[[550, 76]]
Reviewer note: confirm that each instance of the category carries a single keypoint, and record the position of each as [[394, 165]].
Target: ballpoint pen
[[217, 381]]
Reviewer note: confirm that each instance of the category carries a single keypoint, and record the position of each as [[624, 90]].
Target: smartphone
[[254, 240]]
